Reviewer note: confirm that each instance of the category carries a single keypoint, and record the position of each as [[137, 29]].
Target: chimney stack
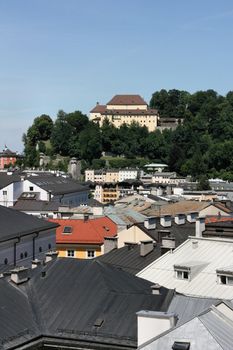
[[130, 245], [180, 219], [200, 226], [20, 275], [36, 263], [191, 217], [146, 247], [166, 220], [156, 289], [110, 243], [168, 242], [50, 256], [150, 223]]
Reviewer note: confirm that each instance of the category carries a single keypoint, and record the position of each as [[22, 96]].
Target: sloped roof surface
[[13, 223], [214, 254], [35, 205], [79, 300], [89, 231], [127, 100], [182, 206], [129, 259], [57, 184], [6, 180]]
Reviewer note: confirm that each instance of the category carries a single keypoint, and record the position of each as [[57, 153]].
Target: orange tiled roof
[[211, 219], [127, 100], [91, 231]]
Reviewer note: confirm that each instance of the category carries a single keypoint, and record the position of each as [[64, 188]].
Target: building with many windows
[[126, 109]]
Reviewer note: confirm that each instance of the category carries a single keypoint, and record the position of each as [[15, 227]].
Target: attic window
[[182, 272], [178, 345], [67, 230], [225, 276], [106, 228]]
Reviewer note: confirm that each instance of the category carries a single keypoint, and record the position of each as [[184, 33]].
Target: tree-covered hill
[[202, 144]]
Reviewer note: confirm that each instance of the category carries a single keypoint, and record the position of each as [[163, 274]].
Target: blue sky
[[69, 54]]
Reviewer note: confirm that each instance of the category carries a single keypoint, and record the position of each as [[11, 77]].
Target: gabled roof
[[99, 109], [127, 100], [13, 224], [210, 330], [215, 253], [90, 231], [77, 301], [57, 184]]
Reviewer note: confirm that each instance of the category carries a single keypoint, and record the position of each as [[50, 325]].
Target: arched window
[[49, 246], [25, 254], [6, 261], [21, 256], [40, 249]]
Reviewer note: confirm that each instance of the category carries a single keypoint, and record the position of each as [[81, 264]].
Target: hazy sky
[[69, 54]]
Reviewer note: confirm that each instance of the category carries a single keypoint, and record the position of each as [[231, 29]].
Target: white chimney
[[20, 275], [50, 256], [156, 289], [110, 243], [36, 263], [150, 223], [200, 226], [146, 247], [191, 217], [180, 219], [168, 242], [166, 220], [153, 323]]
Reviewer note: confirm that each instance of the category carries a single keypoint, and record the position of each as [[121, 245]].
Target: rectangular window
[[67, 230], [90, 254], [228, 280], [31, 188], [182, 275], [70, 253], [4, 193]]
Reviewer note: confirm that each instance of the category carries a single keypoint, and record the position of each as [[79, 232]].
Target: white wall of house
[[10, 193], [126, 174], [134, 234], [29, 186]]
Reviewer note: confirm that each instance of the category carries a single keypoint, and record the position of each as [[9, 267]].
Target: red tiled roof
[[91, 231], [98, 109], [211, 219], [127, 100]]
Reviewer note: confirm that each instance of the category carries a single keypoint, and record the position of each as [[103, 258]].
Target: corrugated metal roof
[[71, 298], [216, 253]]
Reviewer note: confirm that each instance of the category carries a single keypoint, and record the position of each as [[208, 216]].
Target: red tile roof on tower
[[99, 109], [127, 100], [89, 231]]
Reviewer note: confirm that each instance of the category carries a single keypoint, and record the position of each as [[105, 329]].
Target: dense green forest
[[201, 145]]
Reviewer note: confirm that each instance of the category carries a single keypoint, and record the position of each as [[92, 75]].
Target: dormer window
[[225, 276], [182, 274]]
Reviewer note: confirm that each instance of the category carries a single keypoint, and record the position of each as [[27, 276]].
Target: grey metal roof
[[36, 205], [6, 180], [57, 184], [16, 224], [128, 258], [81, 300], [188, 307]]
